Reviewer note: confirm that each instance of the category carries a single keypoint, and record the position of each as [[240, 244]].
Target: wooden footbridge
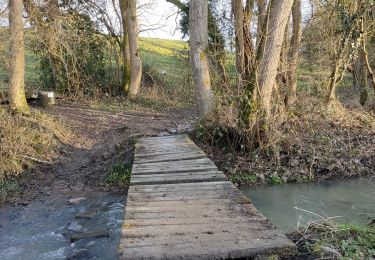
[[181, 207]]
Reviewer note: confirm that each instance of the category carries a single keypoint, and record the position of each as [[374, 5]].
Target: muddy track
[[98, 139]]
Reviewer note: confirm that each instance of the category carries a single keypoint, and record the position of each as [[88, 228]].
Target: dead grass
[[311, 144], [27, 140]]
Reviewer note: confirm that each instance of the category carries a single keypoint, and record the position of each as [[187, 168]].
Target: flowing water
[[290, 205], [42, 229]]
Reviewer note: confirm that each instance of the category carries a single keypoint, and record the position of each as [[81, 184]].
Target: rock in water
[[76, 201], [79, 254], [93, 234], [86, 214]]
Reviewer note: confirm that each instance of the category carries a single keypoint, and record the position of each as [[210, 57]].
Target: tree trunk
[[294, 52], [262, 13], [238, 12], [279, 13], [367, 62], [17, 98], [249, 47], [125, 47], [198, 28], [360, 76], [135, 60], [281, 79]]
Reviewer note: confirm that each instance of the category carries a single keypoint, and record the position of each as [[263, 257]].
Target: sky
[[160, 13], [162, 17]]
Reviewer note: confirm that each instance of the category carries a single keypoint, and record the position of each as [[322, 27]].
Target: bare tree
[[279, 13], [198, 28], [294, 52], [360, 76], [238, 12], [17, 98], [125, 46], [135, 60]]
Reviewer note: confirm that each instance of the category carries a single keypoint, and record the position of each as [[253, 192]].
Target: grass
[[351, 241], [7, 189], [166, 73], [118, 174]]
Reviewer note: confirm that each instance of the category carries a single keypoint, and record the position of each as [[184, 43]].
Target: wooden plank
[[176, 189], [158, 152], [206, 246], [192, 229], [186, 186], [163, 138], [190, 210], [177, 178], [170, 157], [223, 207], [182, 166], [185, 202], [198, 194], [141, 151], [130, 223]]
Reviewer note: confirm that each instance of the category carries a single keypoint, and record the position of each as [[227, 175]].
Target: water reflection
[[290, 205]]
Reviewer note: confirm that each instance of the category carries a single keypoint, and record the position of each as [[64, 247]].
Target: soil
[[99, 139]]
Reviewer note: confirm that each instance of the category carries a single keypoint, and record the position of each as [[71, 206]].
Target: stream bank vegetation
[[329, 240], [25, 141]]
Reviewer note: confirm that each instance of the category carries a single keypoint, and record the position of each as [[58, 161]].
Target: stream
[[291, 205], [43, 229]]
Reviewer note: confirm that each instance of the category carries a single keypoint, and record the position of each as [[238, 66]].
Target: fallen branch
[[36, 160]]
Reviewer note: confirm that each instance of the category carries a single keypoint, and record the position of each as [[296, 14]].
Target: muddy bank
[[99, 140]]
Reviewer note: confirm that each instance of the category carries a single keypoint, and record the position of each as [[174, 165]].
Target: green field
[[166, 61]]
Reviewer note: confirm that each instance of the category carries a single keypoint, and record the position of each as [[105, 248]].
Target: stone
[[93, 234], [330, 252], [46, 98], [86, 214], [76, 201], [79, 254]]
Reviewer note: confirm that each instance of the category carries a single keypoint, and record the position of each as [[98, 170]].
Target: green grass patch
[[243, 178], [351, 241], [7, 189], [118, 174]]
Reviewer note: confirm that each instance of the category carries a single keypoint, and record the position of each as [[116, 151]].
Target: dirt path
[[98, 138]]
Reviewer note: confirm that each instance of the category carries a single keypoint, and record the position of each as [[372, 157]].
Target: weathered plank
[[181, 207], [169, 157], [180, 166], [183, 177]]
